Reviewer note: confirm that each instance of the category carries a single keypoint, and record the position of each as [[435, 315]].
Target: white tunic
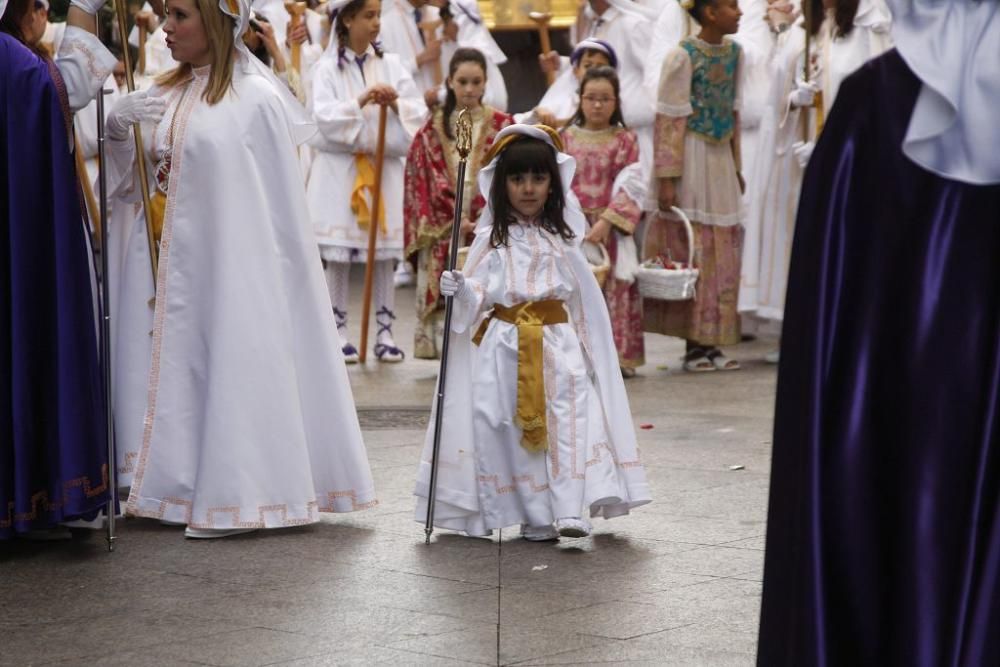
[[236, 411], [775, 175], [346, 129], [399, 34], [584, 472]]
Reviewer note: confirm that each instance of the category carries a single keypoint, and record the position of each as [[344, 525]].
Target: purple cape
[[883, 540], [53, 459]]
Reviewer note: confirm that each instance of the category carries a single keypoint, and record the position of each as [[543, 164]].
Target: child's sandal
[[696, 361], [721, 361]]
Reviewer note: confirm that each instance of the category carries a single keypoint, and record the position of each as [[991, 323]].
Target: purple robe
[[883, 544], [53, 458]]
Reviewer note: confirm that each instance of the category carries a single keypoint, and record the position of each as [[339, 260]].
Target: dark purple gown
[[883, 544], [53, 459]]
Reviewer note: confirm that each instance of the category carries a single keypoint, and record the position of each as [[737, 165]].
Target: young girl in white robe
[[351, 80], [537, 429]]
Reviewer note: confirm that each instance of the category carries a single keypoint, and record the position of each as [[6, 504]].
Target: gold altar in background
[[513, 14]]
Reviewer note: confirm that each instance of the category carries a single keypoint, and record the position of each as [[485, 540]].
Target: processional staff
[[463, 144], [541, 19], [296, 10], [121, 15], [102, 188]]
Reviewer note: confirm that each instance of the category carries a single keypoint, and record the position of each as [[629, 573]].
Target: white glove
[[452, 283], [804, 94], [137, 107], [89, 6], [803, 151]]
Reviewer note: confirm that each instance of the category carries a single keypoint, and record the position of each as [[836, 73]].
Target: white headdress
[[300, 124], [952, 47], [3, 6]]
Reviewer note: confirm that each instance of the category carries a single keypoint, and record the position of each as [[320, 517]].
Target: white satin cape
[[457, 505], [233, 404]]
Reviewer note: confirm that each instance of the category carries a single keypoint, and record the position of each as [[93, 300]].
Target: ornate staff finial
[[463, 135]]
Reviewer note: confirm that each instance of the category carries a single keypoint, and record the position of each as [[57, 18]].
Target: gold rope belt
[[529, 318], [363, 192]]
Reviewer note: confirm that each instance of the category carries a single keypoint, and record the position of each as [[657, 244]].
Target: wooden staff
[[140, 153], [373, 231], [296, 11], [429, 29], [463, 143], [541, 20], [88, 190], [142, 23]]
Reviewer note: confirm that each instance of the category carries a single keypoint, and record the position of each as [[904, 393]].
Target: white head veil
[[953, 46], [3, 6], [300, 124]]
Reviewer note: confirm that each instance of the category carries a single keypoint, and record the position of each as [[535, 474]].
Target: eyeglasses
[[593, 99]]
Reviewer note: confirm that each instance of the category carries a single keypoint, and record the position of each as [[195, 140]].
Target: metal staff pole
[[373, 224], [102, 188], [154, 255], [463, 143]]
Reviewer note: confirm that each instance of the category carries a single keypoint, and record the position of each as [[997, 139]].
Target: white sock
[[337, 282], [385, 302]]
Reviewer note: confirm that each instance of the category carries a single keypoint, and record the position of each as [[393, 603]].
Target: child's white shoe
[[573, 527], [539, 533], [214, 533]]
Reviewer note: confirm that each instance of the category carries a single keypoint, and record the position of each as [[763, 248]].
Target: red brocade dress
[[607, 169], [429, 209]]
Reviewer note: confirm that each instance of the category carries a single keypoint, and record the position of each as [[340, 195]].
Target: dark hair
[[698, 7], [343, 34], [524, 156], [579, 53], [605, 74], [843, 15], [11, 21], [261, 51], [461, 56]]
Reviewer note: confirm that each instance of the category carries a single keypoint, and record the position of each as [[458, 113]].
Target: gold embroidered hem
[[529, 318]]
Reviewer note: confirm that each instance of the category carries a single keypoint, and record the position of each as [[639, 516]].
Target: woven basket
[[656, 282], [599, 260]]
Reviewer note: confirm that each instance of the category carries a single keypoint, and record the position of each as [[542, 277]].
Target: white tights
[[384, 296]]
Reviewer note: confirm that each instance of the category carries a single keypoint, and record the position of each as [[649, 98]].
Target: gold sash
[[157, 209], [363, 192], [529, 318]]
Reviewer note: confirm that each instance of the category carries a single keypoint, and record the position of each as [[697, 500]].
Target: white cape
[[233, 404]]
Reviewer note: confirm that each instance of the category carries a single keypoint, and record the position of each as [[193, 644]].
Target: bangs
[[528, 156]]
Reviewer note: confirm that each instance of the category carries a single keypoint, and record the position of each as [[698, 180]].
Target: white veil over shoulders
[[953, 46], [301, 126]]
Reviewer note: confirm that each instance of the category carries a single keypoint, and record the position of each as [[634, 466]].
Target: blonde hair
[[219, 31]]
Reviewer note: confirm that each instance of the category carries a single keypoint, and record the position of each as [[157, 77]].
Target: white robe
[[346, 129], [760, 46], [776, 175], [237, 410], [399, 34], [486, 480], [630, 36]]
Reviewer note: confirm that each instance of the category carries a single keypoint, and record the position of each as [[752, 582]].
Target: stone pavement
[[676, 583]]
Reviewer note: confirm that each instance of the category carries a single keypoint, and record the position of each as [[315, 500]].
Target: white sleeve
[[84, 64], [340, 121], [402, 127]]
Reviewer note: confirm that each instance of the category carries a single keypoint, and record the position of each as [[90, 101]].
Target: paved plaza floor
[[676, 583]]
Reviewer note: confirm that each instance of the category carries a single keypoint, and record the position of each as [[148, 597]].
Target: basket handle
[[689, 231]]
